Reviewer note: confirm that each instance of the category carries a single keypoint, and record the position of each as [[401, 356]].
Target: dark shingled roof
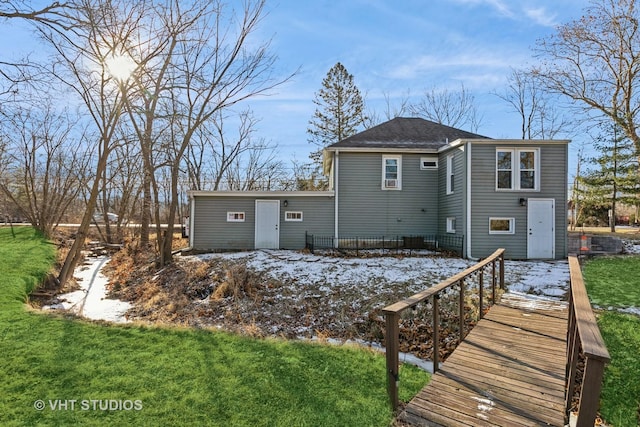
[[404, 132]]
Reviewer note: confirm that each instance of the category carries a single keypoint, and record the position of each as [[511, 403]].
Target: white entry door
[[267, 224], [541, 228]]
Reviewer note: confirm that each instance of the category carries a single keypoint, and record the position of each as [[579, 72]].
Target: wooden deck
[[508, 371]]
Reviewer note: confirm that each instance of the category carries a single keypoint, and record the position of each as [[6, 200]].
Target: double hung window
[[517, 169]]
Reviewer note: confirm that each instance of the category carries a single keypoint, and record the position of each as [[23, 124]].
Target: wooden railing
[[583, 338], [432, 295]]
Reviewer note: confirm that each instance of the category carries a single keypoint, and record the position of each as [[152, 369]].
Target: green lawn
[[614, 282], [170, 376]]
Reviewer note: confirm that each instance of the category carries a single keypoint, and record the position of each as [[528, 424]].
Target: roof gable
[[405, 132]]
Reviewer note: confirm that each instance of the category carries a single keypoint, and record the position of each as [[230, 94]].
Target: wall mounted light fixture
[[285, 203], [523, 201]]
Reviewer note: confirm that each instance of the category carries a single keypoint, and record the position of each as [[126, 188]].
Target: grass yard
[[59, 370], [614, 282]]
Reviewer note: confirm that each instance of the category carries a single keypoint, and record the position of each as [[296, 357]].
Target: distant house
[[408, 177]]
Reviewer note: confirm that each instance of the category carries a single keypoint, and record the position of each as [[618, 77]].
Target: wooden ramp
[[508, 371]]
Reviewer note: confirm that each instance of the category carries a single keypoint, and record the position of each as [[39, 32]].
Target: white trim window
[[391, 172], [451, 224], [427, 163], [293, 216], [518, 169], [502, 225], [451, 177], [235, 216]]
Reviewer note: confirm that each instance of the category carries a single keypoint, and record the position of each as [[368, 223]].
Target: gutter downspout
[[192, 219], [468, 213], [335, 201]]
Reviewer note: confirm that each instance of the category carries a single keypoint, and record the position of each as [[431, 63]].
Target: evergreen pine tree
[[339, 113], [616, 179]]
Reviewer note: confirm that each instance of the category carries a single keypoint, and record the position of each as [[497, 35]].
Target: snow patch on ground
[[376, 274], [91, 301]]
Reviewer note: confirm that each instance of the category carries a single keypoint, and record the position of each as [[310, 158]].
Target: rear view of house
[[408, 177]]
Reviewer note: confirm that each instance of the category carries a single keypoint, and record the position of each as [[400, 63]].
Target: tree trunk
[[75, 252]]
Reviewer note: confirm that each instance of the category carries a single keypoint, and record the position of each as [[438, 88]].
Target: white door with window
[[267, 224], [541, 228]]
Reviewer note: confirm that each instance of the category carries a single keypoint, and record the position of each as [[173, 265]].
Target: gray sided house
[[408, 177], [228, 220]]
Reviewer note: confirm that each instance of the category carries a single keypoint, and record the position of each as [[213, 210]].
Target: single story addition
[[407, 177]]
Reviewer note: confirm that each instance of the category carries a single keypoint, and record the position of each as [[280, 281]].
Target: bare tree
[[220, 149], [451, 108], [204, 61], [44, 165], [51, 15], [595, 62], [81, 66], [539, 119], [257, 169]]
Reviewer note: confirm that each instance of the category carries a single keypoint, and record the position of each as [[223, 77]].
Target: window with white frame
[[235, 216], [430, 162], [293, 216], [450, 174], [391, 172], [451, 224], [517, 169], [502, 225]]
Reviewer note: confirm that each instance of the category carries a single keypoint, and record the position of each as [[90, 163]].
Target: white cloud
[[499, 5], [425, 63], [541, 16]]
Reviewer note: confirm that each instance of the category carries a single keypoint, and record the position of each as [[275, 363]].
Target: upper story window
[[450, 174], [518, 169], [391, 172], [428, 163]]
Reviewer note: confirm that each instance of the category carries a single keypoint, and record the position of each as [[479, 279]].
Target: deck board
[[508, 371]]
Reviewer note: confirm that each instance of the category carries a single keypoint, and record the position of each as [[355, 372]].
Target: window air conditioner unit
[[391, 183]]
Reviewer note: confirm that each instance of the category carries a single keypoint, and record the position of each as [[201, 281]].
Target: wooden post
[[480, 287], [572, 368], [436, 332], [493, 281], [461, 312], [590, 394], [392, 344], [502, 271]]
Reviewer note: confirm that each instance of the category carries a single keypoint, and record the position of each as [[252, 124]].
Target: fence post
[[461, 314], [590, 393], [480, 287], [502, 271], [436, 332], [392, 339], [572, 365], [493, 281]]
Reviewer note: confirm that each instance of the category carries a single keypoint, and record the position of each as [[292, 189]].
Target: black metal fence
[[434, 242]]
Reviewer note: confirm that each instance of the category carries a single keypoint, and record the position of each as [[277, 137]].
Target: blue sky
[[399, 47], [394, 47]]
